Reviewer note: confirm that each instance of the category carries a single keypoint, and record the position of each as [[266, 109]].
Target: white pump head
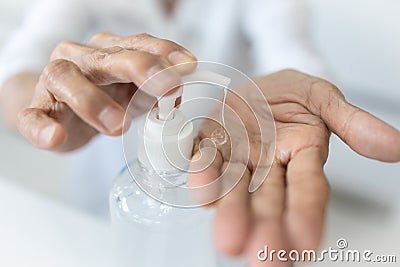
[[165, 136], [166, 104]]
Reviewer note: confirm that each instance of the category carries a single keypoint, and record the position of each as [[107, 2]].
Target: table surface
[[38, 231]]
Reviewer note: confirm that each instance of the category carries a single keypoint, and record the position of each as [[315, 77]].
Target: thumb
[[363, 132]]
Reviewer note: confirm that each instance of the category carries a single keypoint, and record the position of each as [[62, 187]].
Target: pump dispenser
[[150, 228], [166, 104], [148, 232], [156, 219], [165, 138]]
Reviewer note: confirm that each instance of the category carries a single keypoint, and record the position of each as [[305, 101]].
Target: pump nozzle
[[166, 105]]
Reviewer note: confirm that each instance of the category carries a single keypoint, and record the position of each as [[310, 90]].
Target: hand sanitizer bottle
[[148, 231]]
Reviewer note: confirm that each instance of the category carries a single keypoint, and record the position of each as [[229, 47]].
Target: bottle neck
[[161, 179], [165, 145]]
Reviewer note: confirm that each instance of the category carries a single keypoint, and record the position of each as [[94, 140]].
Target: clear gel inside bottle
[[148, 233]]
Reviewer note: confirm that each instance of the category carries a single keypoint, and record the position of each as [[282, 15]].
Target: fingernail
[[45, 135], [112, 118], [178, 57], [162, 81]]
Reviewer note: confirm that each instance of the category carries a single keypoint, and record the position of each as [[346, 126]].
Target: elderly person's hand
[[288, 210], [85, 89]]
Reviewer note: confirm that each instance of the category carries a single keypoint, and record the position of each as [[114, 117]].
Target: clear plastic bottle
[[149, 232], [153, 217]]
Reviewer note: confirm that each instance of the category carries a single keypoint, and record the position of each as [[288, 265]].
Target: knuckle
[[99, 36], [154, 45], [104, 53], [334, 90], [332, 96], [142, 36], [24, 119], [321, 84], [98, 60], [57, 70], [22, 114], [162, 46], [60, 49]]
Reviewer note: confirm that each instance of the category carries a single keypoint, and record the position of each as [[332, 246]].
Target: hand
[[85, 89], [288, 210]]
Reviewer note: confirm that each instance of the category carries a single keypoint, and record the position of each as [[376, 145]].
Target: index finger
[[119, 65], [171, 51]]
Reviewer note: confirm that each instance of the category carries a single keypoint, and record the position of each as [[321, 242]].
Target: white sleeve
[[46, 24], [277, 31]]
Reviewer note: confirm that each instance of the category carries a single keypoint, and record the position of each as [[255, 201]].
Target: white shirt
[[255, 36]]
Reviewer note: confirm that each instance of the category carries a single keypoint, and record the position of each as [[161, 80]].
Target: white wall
[[11, 13], [19, 161], [360, 41]]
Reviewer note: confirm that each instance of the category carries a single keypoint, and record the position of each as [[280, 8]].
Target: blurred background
[[359, 42]]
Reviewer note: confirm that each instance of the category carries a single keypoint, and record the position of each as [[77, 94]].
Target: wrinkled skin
[[288, 210], [85, 89]]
